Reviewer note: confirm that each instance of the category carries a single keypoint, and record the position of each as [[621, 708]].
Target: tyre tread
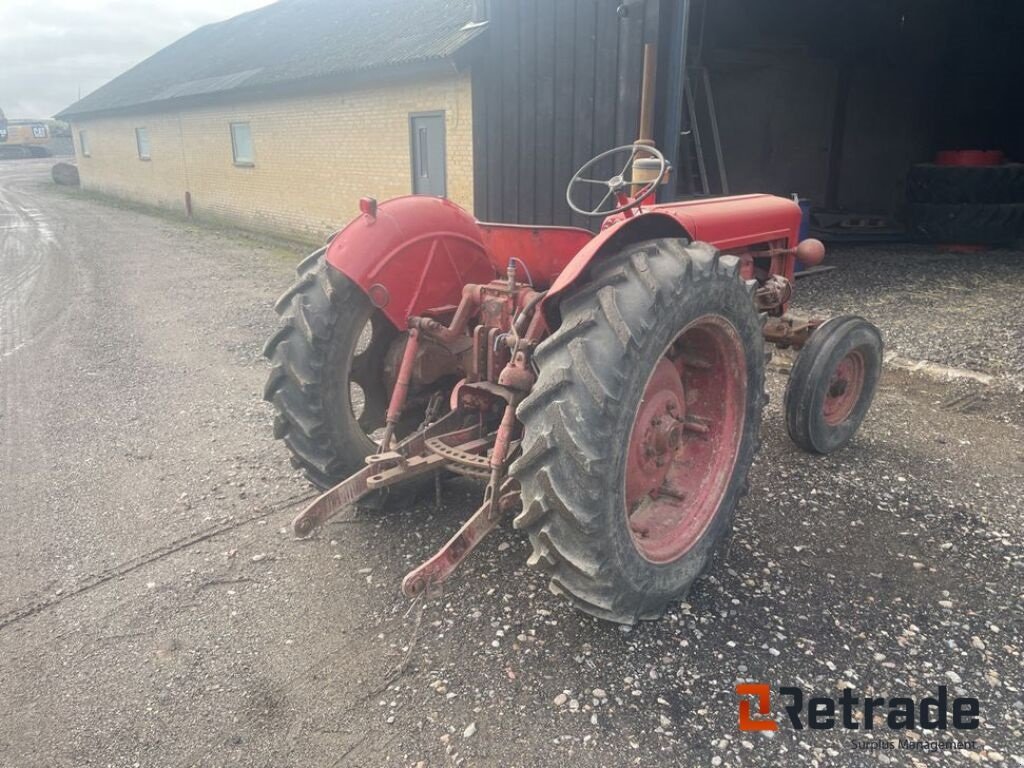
[[565, 418], [310, 309]]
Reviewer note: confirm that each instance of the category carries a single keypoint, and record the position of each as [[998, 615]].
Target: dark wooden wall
[[557, 82]]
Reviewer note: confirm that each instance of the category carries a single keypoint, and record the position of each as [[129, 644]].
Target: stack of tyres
[[966, 204]]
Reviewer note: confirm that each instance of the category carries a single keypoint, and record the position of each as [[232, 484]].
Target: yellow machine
[[25, 138]]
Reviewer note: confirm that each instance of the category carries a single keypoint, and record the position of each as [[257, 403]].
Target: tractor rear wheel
[[327, 379], [641, 428]]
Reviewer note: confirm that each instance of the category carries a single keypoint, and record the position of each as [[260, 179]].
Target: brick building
[[281, 118]]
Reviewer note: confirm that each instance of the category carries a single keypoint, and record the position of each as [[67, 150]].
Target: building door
[[428, 153]]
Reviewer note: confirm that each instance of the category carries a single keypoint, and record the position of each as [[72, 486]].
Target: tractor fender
[[613, 238], [728, 223], [410, 254]]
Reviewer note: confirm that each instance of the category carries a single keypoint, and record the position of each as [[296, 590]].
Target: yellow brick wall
[[315, 155]]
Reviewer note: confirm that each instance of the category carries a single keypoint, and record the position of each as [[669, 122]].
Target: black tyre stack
[[966, 204]]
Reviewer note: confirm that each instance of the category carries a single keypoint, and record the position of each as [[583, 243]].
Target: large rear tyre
[[967, 223], [327, 379], [958, 184], [641, 428], [832, 384]]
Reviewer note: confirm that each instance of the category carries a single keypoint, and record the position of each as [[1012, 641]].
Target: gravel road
[[156, 611]]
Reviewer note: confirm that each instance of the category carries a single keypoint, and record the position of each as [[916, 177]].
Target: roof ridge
[[289, 41]]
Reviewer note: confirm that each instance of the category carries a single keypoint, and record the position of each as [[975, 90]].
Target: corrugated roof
[[290, 40]]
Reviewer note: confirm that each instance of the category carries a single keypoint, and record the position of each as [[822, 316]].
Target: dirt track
[[155, 611]]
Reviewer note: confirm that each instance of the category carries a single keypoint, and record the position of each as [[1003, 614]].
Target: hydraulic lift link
[[382, 470], [501, 496], [401, 390], [441, 566], [331, 502]]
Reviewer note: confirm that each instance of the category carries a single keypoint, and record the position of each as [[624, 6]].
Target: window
[[142, 142], [241, 144], [83, 143]]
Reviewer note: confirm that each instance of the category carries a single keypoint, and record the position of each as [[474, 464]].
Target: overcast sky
[[52, 50]]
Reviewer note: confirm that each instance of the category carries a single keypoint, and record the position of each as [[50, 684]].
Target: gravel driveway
[[156, 611], [958, 309]]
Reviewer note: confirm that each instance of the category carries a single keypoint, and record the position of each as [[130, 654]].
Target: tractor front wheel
[[641, 428], [832, 384]]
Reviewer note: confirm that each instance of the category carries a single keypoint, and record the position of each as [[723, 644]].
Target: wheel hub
[[664, 438], [685, 439], [844, 388], [656, 432]]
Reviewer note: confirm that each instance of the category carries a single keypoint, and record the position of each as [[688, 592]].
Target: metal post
[[647, 93], [674, 97], [715, 138], [697, 145]]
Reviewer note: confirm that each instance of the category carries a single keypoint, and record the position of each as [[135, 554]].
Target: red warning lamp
[[368, 206]]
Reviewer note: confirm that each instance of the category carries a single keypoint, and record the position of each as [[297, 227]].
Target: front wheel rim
[[685, 439], [844, 388]]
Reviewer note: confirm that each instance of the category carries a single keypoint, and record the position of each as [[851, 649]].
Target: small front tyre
[[832, 384]]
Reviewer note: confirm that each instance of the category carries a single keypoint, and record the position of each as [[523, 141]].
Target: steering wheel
[[616, 189]]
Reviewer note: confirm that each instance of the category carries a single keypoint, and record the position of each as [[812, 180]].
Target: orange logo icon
[[763, 694]]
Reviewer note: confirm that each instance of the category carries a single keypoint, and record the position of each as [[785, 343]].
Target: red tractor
[[607, 388]]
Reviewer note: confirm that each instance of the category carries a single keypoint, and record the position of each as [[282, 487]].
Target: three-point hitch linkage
[[469, 439]]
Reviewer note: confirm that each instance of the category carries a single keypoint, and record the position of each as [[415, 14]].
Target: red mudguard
[[415, 254]]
